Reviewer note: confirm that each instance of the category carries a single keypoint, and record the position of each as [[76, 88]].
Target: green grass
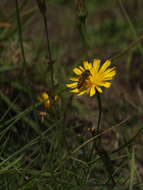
[[58, 152]]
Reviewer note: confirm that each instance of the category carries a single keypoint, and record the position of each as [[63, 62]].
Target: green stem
[[100, 113], [99, 148], [49, 50], [20, 36], [42, 8], [81, 16], [98, 126]]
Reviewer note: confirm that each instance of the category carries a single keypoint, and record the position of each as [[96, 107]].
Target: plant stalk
[[97, 145], [43, 8], [20, 38]]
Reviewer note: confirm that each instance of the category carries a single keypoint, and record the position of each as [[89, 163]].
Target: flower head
[[44, 97], [91, 77]]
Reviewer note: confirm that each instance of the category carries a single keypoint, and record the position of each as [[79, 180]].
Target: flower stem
[[99, 148], [100, 113], [42, 8], [81, 16], [20, 37], [97, 145]]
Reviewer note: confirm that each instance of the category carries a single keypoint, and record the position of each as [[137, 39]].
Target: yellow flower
[[91, 77], [44, 97]]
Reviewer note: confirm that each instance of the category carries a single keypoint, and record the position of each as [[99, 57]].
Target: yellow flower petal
[[109, 74], [105, 66], [96, 65], [109, 70], [92, 91], [44, 96], [81, 68], [77, 71], [99, 89], [107, 78], [75, 90], [86, 64], [107, 84], [81, 93], [74, 79], [57, 98], [72, 85]]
